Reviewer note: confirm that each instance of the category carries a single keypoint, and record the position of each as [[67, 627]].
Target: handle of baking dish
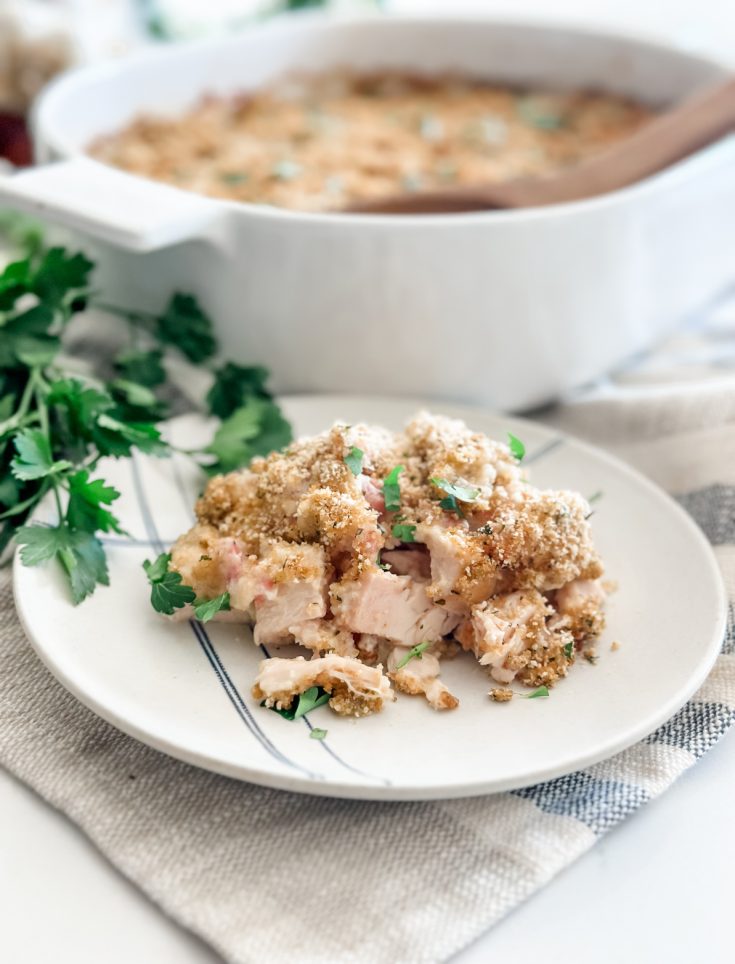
[[108, 204]]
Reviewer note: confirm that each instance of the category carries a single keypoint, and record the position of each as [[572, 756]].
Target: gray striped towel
[[263, 874]]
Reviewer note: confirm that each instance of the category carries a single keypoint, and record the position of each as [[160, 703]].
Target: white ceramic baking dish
[[506, 308]]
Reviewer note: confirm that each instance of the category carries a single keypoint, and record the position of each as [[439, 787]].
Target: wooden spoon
[[691, 125]]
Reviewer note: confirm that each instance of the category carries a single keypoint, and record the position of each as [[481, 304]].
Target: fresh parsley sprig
[[55, 427]]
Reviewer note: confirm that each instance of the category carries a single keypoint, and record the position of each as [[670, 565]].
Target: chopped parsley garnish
[[517, 448], [233, 177], [542, 692], [456, 493], [286, 170], [404, 532], [392, 490], [569, 650], [168, 592], [309, 700], [206, 609], [353, 460], [318, 734], [55, 427], [415, 653]]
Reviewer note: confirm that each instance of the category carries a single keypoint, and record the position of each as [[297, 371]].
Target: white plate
[[185, 689]]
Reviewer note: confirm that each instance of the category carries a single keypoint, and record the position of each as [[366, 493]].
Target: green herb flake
[[392, 490], [232, 178], [415, 652], [517, 448], [286, 170], [541, 693], [404, 532], [309, 700], [353, 460], [456, 493], [318, 734], [569, 649], [206, 609]]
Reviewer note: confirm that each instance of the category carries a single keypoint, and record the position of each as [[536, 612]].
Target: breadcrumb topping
[[310, 554]]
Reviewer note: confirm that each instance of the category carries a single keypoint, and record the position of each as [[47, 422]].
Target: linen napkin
[[264, 874]]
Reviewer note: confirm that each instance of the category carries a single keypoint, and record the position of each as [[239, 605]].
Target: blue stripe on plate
[[599, 804], [205, 642]]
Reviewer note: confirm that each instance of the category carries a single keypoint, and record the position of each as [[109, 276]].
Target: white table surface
[[658, 888]]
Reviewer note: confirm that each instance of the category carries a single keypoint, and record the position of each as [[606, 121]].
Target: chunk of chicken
[[462, 573], [396, 607], [356, 689], [540, 539], [510, 634], [579, 603], [322, 636], [293, 589], [420, 676]]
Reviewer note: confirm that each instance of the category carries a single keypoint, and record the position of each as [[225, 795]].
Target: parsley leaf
[[415, 653], [39, 542], [569, 649], [456, 493], [80, 553], [257, 428], [309, 700], [34, 459], [85, 564], [318, 734], [392, 490], [117, 438], [353, 460], [185, 325], [206, 609], [233, 385], [142, 367], [59, 273], [541, 692], [517, 448], [85, 509], [404, 532], [168, 592]]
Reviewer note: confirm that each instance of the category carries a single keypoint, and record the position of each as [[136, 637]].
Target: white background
[[658, 888]]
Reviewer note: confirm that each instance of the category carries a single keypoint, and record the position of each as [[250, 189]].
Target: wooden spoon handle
[[693, 124]]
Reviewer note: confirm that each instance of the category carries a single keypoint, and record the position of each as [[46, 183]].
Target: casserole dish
[[510, 309]]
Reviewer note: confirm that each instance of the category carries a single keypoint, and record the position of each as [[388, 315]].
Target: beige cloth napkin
[[268, 875]]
